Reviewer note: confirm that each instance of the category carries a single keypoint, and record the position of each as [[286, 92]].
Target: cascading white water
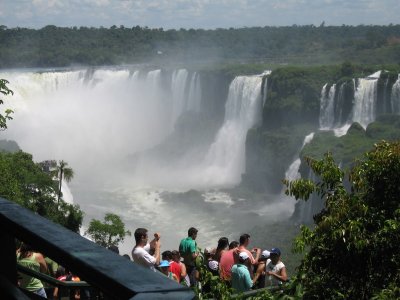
[[365, 98], [327, 107], [395, 96], [178, 85], [194, 97], [225, 161], [93, 119]]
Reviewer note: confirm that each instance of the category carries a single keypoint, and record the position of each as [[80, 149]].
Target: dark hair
[[166, 255], [233, 244], [192, 231], [24, 250], [114, 248], [243, 238], [222, 243], [126, 256], [175, 253], [139, 233]]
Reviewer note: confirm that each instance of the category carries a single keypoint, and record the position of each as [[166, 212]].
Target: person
[[52, 268], [182, 276], [35, 261], [275, 270], [212, 265], [164, 268], [74, 294], [241, 280], [228, 259], [222, 246], [244, 241], [189, 252], [259, 276], [140, 255]]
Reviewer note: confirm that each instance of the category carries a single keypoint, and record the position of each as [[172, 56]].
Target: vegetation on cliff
[[53, 46]]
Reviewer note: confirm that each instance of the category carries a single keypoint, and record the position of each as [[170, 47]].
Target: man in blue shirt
[[241, 280]]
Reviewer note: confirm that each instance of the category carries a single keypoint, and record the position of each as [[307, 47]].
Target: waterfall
[[194, 98], [395, 97], [365, 97], [225, 161], [102, 115], [327, 106], [178, 85]]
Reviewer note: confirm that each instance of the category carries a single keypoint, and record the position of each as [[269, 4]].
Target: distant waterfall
[[292, 172], [194, 98], [352, 101], [395, 97], [327, 107], [364, 109], [225, 161], [178, 85]]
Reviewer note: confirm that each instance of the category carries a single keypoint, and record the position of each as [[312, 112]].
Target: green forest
[[53, 46]]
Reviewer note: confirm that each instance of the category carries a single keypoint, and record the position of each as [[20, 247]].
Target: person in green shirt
[[188, 250], [34, 261], [241, 280]]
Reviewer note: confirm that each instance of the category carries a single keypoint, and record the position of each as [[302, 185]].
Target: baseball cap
[[243, 255], [265, 254], [164, 263], [275, 251]]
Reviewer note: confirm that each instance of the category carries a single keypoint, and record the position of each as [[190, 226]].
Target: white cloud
[[196, 13]]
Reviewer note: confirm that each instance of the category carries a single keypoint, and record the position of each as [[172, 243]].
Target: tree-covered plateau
[[53, 46]]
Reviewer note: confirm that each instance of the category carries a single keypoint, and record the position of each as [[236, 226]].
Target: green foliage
[[357, 141], [108, 233], [25, 183], [53, 46], [353, 249], [7, 113]]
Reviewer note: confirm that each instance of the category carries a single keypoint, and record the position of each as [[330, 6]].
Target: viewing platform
[[113, 275]]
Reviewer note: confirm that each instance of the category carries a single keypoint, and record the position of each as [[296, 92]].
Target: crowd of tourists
[[238, 267]]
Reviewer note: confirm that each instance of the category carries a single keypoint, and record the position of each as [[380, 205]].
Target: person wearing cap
[[189, 252], [164, 268], [275, 270], [259, 276], [241, 280]]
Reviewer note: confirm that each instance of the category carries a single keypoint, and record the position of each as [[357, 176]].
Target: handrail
[[105, 270], [50, 280]]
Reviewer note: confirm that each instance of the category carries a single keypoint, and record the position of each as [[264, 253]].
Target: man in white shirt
[[140, 255]]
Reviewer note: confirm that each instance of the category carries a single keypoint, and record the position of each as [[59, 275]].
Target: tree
[[353, 250], [63, 173], [7, 113], [27, 184], [108, 233]]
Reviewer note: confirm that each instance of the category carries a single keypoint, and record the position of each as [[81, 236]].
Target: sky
[[207, 14]]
